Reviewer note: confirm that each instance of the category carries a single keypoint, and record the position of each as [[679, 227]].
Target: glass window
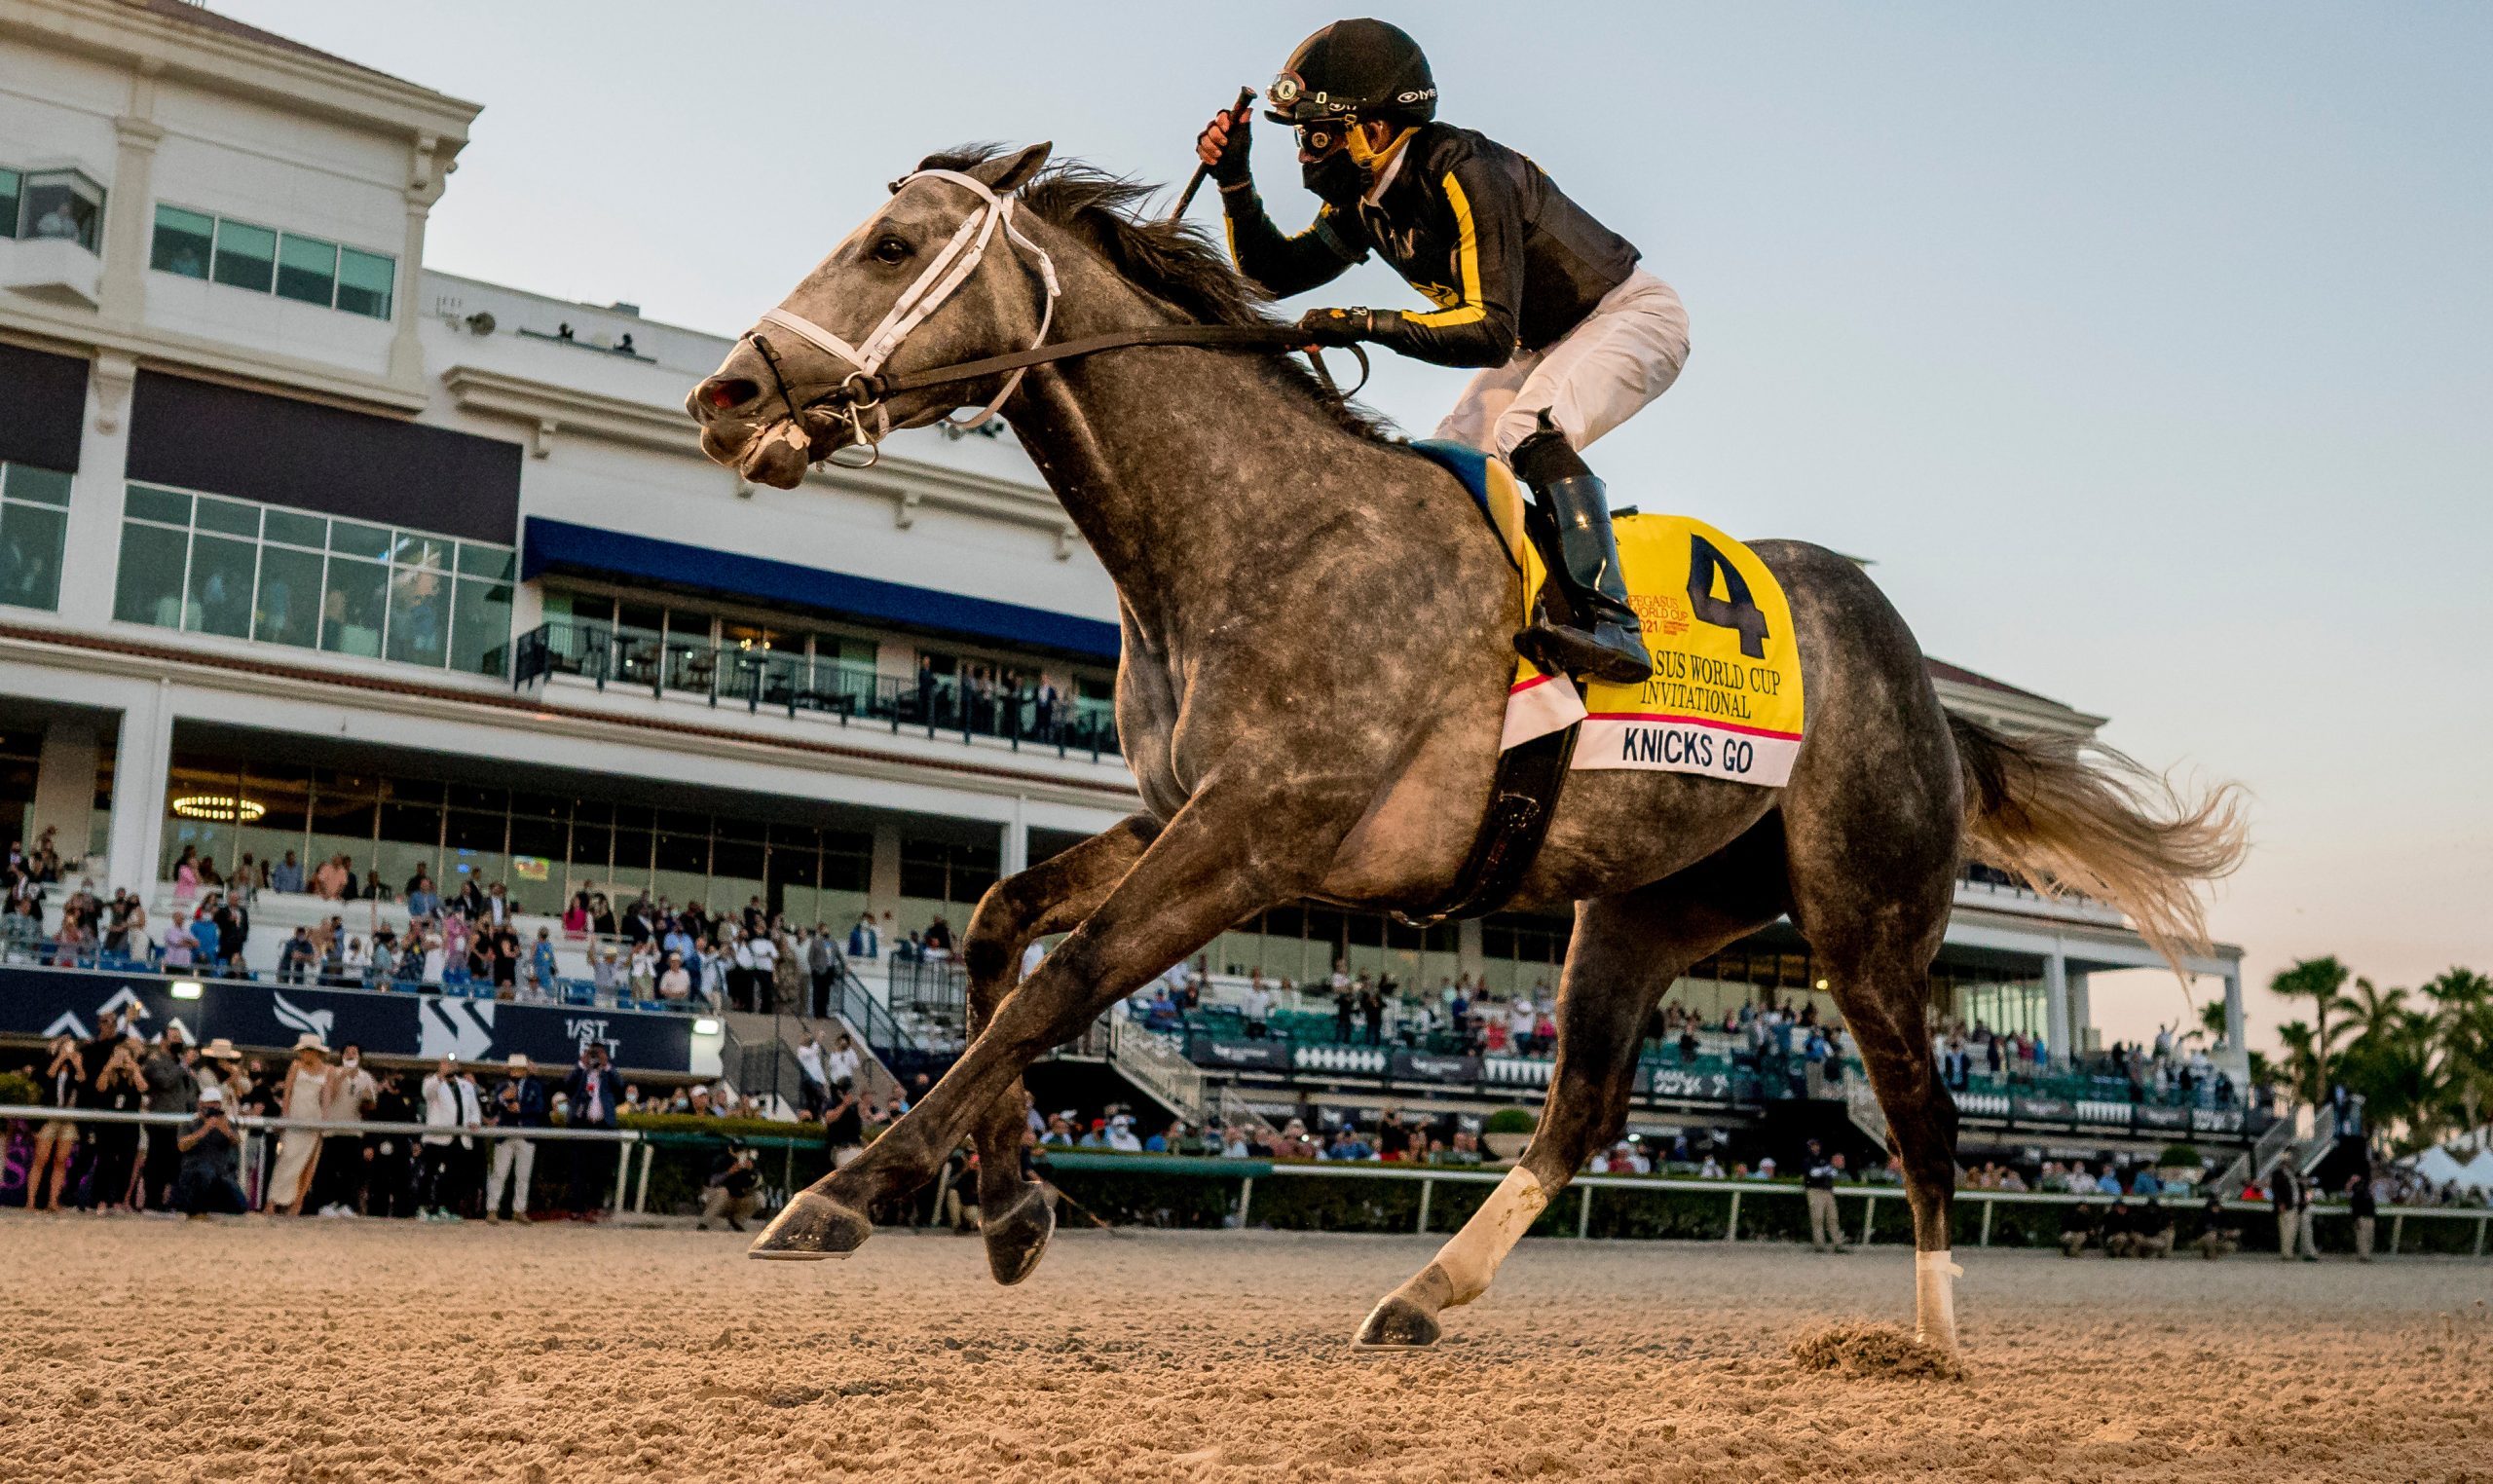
[[221, 586], [227, 517], [480, 628], [307, 269], [62, 206], [11, 194], [184, 240], [364, 280], [497, 563], [296, 530], [419, 616], [352, 600], [48, 487], [170, 506], [149, 586], [245, 255], [289, 606], [31, 542], [359, 540]]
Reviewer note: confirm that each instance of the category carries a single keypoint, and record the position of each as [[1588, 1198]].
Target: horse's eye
[[890, 249]]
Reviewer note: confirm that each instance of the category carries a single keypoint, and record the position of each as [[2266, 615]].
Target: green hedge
[[17, 1089]]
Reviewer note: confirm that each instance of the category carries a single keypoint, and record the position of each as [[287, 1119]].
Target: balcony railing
[[937, 705]]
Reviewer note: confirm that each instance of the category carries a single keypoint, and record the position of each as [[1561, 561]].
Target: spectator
[[2120, 1231], [207, 1184], [823, 965], [591, 1092], [813, 1081], [55, 1139], [843, 1124], [864, 941], [541, 963], [287, 876], [2217, 1236], [332, 878], [437, 1177], [2290, 1195], [171, 1088], [1817, 1180], [729, 1191], [115, 1086], [675, 984], [844, 1063], [343, 1161], [519, 1102], [2364, 1206], [2080, 1226]]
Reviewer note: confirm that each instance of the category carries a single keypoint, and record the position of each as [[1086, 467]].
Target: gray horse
[[1316, 650]]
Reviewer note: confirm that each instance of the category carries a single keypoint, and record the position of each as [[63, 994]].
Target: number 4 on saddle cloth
[[1725, 699]]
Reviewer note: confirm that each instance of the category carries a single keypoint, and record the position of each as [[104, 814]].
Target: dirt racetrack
[[134, 1350]]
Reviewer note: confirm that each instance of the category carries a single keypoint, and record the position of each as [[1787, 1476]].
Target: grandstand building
[[307, 548]]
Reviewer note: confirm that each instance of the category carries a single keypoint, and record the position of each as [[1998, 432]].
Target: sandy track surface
[[314, 1350]]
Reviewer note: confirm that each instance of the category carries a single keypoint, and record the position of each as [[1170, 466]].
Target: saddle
[[1725, 699]]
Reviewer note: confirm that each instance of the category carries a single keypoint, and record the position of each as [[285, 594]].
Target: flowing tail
[[2069, 815]]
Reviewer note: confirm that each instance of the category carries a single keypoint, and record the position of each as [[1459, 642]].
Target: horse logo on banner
[[294, 1017]]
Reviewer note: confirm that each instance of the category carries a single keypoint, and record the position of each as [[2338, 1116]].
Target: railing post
[[1868, 1214], [641, 1197], [1989, 1206], [1731, 1232], [1584, 1215], [2396, 1232], [1427, 1188], [622, 1171], [1246, 1199], [2482, 1222]]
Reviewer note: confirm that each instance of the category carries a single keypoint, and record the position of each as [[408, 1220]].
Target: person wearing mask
[[591, 1092], [519, 1102], [118, 1087], [346, 1160], [2364, 1206], [446, 1107], [2290, 1195]]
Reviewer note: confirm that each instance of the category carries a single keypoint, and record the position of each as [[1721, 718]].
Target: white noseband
[[951, 268]]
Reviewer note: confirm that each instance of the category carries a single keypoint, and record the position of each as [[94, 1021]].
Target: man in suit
[[592, 1091]]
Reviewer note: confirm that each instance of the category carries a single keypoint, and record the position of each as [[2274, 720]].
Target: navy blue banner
[[1250, 1056], [49, 1002], [1429, 1066]]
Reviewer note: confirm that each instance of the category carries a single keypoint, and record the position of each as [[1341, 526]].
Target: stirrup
[[1611, 657]]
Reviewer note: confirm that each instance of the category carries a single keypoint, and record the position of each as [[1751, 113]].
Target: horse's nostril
[[727, 394]]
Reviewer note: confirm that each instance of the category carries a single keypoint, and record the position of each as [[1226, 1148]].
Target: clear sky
[[2144, 349]]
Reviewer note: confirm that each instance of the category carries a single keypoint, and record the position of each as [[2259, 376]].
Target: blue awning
[[554, 545]]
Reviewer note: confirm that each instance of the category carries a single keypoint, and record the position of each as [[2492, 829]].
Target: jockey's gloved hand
[[1348, 326], [1223, 145]]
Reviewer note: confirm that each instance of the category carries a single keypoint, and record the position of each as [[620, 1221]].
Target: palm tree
[[2463, 1026], [2322, 981], [2302, 1067]]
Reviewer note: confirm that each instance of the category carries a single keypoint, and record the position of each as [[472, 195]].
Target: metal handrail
[[604, 653]]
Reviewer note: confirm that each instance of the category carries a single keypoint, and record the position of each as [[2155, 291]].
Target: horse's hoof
[[1395, 1325], [1018, 1238], [811, 1228]]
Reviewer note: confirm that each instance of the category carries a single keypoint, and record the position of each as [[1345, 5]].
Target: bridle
[[868, 390]]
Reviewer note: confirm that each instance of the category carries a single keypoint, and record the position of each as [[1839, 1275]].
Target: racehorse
[[1317, 628]]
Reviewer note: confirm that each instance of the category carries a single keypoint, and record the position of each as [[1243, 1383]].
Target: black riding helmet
[[1364, 69]]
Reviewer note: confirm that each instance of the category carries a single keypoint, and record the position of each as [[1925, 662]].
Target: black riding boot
[[1605, 643]]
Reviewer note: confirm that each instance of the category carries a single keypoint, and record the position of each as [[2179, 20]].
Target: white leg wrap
[[1470, 1256], [1934, 1298]]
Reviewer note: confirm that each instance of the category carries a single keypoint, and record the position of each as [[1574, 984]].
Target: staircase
[[1863, 1106], [1156, 1067]]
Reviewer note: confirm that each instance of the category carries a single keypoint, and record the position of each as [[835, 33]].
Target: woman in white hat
[[305, 1094]]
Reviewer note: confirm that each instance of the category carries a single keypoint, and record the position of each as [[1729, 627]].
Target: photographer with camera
[[208, 1184], [730, 1190]]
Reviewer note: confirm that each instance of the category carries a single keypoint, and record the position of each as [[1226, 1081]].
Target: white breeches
[[1627, 352]]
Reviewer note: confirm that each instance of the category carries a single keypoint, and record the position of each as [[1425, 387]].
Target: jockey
[[1571, 337]]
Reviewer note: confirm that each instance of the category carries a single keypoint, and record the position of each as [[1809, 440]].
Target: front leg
[[1050, 897], [1228, 853]]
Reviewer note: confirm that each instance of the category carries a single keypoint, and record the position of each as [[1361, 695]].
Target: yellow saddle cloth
[[1725, 699]]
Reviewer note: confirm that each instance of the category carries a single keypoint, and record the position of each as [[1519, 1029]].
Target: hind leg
[[1626, 953], [1872, 887], [1050, 897]]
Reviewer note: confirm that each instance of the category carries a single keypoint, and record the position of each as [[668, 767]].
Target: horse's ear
[[1007, 173]]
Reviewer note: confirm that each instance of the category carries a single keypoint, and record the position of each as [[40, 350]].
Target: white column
[[2233, 1041], [1017, 841], [424, 188], [66, 790], [128, 212], [2056, 1005], [2081, 1013], [140, 764], [882, 872], [1470, 956]]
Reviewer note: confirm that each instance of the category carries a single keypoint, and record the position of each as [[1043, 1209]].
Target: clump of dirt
[[1874, 1349]]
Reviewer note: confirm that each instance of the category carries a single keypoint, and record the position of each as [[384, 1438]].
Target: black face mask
[[1335, 178]]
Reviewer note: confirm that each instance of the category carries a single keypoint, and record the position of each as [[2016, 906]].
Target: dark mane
[[1174, 262]]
